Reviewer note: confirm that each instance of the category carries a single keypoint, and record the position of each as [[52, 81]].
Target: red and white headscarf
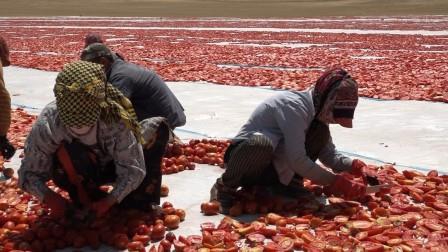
[[335, 95]]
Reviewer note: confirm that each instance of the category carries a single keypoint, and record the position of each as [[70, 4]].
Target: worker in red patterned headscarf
[[7, 150], [286, 134]]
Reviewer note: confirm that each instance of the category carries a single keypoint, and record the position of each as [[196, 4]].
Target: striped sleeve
[[5, 106]]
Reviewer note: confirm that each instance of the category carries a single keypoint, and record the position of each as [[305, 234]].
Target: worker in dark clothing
[[92, 38], [148, 93], [7, 150]]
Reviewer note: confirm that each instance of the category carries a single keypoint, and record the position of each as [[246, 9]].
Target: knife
[[375, 188]]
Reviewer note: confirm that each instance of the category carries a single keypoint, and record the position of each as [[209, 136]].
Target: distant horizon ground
[[222, 8]]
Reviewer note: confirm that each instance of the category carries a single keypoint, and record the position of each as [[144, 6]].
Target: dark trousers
[[248, 161], [91, 175]]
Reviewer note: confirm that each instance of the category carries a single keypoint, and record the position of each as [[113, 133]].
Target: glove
[[345, 186], [103, 205], [6, 148], [57, 204], [357, 167]]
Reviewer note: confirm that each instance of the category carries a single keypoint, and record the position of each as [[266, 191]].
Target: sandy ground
[[219, 8]]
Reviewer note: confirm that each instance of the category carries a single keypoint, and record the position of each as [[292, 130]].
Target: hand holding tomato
[[357, 167], [56, 203], [345, 186]]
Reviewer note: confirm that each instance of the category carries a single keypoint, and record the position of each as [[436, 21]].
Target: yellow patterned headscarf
[[83, 97]]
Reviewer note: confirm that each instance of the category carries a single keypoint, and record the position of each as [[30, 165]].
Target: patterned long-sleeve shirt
[[116, 142], [285, 119], [5, 105]]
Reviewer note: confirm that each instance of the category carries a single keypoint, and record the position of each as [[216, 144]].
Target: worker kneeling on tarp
[[90, 137], [286, 134]]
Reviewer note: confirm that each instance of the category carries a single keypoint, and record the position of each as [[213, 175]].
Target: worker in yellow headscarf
[[90, 137]]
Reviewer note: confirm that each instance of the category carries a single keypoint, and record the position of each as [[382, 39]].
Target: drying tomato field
[[399, 59], [391, 58], [410, 216]]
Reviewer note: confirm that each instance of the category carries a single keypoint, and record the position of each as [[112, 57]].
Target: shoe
[[224, 195]]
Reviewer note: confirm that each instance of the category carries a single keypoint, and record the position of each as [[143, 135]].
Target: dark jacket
[[5, 105], [148, 93]]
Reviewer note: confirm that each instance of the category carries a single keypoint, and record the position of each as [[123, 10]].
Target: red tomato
[[194, 240], [172, 221], [210, 208], [256, 238], [143, 229], [170, 236], [136, 246], [158, 232], [179, 246], [286, 244], [144, 239], [361, 225], [166, 245], [272, 247], [164, 190], [372, 246]]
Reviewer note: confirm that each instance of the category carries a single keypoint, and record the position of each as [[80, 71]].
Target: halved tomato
[[362, 235], [207, 226], [361, 224], [272, 247], [256, 238], [308, 237], [372, 246], [433, 224], [286, 244]]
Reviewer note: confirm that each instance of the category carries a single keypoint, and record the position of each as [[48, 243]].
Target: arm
[[129, 163], [37, 165], [330, 157], [292, 120], [5, 106], [166, 101]]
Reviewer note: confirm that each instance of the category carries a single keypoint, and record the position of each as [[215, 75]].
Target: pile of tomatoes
[[180, 157], [410, 216], [21, 123], [26, 225]]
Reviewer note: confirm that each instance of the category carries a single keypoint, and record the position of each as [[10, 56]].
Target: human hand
[[57, 204], [103, 205], [357, 167], [345, 185], [150, 141], [6, 148]]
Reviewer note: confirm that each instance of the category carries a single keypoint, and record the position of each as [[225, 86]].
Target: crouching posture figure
[[286, 134], [87, 138], [7, 150]]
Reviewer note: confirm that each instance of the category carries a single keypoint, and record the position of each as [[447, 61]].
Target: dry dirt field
[[222, 8]]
